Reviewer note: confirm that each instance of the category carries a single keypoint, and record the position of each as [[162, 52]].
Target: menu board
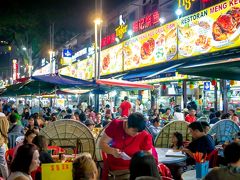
[[111, 60], [213, 29], [85, 68], [82, 69], [155, 46]]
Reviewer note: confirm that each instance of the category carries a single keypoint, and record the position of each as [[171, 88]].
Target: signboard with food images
[[111, 60], [85, 69], [82, 69], [155, 46], [213, 29]]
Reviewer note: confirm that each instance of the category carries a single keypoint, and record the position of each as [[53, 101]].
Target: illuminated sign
[[80, 53], [67, 53], [108, 40], [121, 30], [15, 69], [187, 4], [146, 22]]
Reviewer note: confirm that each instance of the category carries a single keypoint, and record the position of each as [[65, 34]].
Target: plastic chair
[[56, 149], [212, 158], [166, 178], [119, 174], [164, 170]]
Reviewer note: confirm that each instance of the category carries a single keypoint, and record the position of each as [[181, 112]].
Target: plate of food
[[171, 44], [147, 49], [203, 35], [186, 33], [226, 28], [185, 49], [106, 62]]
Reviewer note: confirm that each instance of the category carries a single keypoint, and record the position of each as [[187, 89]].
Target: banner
[[213, 29], [111, 60], [155, 46], [54, 171]]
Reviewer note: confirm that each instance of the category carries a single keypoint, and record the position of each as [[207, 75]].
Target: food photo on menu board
[[111, 60], [155, 46], [213, 29]]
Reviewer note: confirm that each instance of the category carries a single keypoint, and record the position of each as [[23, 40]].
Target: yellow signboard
[[213, 29], [155, 46], [83, 69], [111, 60], [54, 171]]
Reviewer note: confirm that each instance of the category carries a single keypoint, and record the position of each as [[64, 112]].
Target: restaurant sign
[[146, 22], [152, 47], [111, 60], [213, 29]]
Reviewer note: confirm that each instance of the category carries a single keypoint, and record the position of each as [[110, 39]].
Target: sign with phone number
[[53, 171]]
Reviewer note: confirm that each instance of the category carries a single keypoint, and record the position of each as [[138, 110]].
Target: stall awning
[[62, 80], [223, 69], [160, 72], [121, 83]]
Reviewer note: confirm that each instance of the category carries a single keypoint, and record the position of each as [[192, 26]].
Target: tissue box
[[202, 169]]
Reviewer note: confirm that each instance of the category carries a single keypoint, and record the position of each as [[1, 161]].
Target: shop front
[[165, 52]]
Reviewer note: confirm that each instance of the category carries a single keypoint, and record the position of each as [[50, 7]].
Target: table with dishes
[[168, 160]]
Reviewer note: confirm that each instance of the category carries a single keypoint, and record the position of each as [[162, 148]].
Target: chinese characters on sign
[[108, 40], [146, 22]]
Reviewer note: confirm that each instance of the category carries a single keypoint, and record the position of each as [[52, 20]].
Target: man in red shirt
[[125, 107], [191, 117]]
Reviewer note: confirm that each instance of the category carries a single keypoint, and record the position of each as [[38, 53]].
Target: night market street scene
[[120, 90]]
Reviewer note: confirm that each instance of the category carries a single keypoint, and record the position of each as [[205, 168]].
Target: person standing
[[125, 107], [139, 106], [4, 126]]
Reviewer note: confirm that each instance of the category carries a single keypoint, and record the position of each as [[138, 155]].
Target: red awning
[[22, 80], [121, 83]]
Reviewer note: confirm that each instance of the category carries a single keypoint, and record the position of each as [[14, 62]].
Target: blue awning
[[62, 80], [160, 72]]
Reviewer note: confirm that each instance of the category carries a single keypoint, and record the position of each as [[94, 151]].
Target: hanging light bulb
[[232, 82], [164, 87], [179, 83], [214, 82], [191, 86]]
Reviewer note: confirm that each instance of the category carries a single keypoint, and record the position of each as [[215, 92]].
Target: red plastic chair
[[9, 155], [213, 158], [56, 149], [166, 178], [164, 170]]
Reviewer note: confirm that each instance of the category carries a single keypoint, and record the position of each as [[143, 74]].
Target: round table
[[168, 160], [191, 175]]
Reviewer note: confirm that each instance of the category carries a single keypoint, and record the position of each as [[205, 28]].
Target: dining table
[[169, 160]]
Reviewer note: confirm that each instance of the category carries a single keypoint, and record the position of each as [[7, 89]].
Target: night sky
[[74, 15], [33, 17]]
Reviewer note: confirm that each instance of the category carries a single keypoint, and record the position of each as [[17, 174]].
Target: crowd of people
[[126, 143]]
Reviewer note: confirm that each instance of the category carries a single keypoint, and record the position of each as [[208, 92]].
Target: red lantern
[[214, 82], [164, 87]]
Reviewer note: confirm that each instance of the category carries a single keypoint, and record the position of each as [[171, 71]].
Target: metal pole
[[216, 97], [224, 95], [184, 93]]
